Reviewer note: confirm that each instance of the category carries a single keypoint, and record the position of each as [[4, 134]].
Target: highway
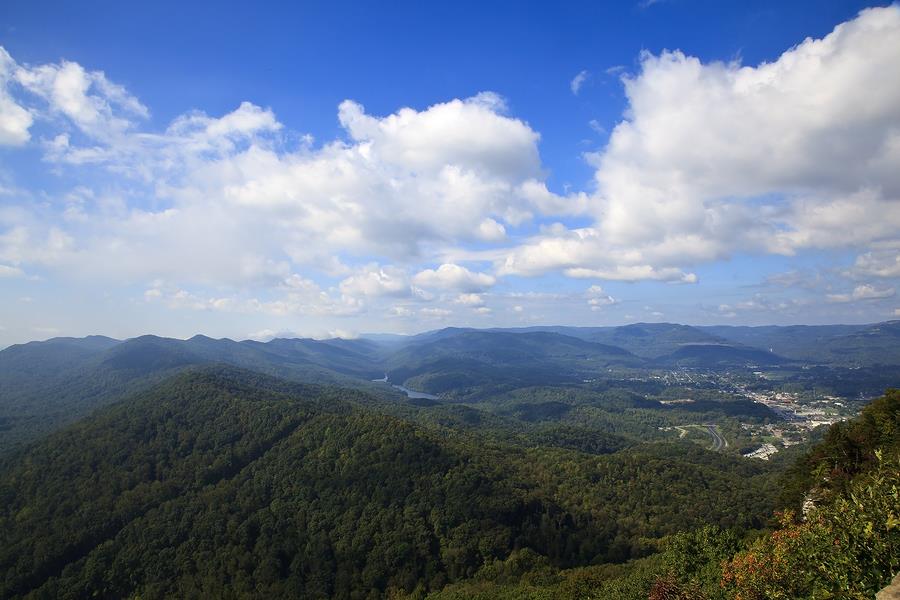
[[718, 441]]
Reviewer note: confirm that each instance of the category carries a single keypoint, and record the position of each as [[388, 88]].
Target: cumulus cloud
[[881, 262], [470, 299], [15, 120], [710, 160], [706, 141], [597, 298], [210, 192], [94, 104], [719, 158], [862, 292], [584, 253], [226, 200], [376, 281], [454, 277]]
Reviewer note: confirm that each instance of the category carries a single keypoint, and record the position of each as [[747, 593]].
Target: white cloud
[[583, 253], [597, 298], [634, 273], [759, 304], [578, 81], [295, 296], [711, 160], [705, 141], [212, 193], [376, 281], [862, 292], [454, 277], [435, 312], [15, 120], [401, 311], [471, 134], [595, 125], [719, 158], [470, 299], [263, 335], [9, 271], [882, 262], [97, 106]]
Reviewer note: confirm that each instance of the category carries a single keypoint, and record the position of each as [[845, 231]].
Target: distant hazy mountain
[[719, 355], [855, 345], [471, 362], [46, 384]]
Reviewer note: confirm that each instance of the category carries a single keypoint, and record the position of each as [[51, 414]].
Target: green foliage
[[46, 385], [223, 483], [527, 479], [847, 449], [847, 548]]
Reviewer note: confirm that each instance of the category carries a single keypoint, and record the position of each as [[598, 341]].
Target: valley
[[409, 467]]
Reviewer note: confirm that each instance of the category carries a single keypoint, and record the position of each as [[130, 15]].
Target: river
[[409, 393]]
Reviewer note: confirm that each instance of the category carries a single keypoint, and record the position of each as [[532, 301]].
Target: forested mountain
[[654, 340], [223, 483], [44, 385], [855, 345], [554, 463], [845, 543], [472, 363], [718, 355]]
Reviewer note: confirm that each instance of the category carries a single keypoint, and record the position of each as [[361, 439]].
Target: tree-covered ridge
[[848, 449], [46, 385], [847, 545], [77, 488], [222, 483]]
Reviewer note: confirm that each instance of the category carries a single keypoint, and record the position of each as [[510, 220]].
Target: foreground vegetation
[[847, 545]]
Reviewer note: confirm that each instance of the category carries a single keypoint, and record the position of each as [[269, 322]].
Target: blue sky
[[337, 168]]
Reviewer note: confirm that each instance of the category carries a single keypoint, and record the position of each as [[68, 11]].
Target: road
[[718, 441]]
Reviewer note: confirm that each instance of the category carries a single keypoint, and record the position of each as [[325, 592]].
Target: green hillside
[[224, 483], [846, 545], [44, 385]]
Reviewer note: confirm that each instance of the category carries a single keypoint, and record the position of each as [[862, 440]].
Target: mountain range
[[550, 462], [46, 384]]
